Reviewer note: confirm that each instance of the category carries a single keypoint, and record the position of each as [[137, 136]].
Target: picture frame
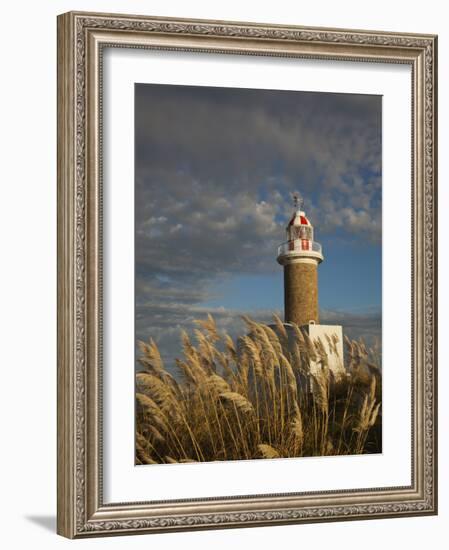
[[82, 39]]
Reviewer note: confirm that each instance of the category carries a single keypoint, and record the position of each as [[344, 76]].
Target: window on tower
[[302, 232]]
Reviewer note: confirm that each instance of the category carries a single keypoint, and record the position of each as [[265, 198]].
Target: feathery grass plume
[[290, 375], [151, 359], [299, 336], [357, 353], [310, 348], [230, 346], [241, 403], [253, 352], [362, 348], [258, 349], [142, 449], [267, 451], [150, 408], [331, 345], [283, 335], [224, 361], [321, 353], [248, 322], [374, 415], [297, 428], [273, 338], [258, 334], [349, 345], [296, 357], [161, 392], [217, 384], [335, 341], [203, 347], [268, 346], [300, 352], [140, 440], [242, 366], [210, 326], [368, 414], [267, 354], [320, 388], [190, 351], [187, 371], [354, 358], [206, 352], [243, 406], [197, 369], [155, 435], [142, 457]]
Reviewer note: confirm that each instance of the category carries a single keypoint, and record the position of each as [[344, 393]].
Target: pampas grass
[[269, 394]]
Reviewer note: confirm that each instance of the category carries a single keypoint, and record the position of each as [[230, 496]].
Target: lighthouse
[[300, 255]]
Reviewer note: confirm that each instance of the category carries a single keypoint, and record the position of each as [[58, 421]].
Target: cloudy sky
[[215, 168]]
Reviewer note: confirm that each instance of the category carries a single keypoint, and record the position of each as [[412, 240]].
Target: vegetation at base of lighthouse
[[256, 397]]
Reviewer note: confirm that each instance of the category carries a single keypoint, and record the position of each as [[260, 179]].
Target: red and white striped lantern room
[[300, 229]]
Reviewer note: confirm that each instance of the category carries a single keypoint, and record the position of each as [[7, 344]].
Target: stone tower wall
[[301, 292]]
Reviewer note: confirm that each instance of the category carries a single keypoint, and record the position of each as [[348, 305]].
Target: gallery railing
[[299, 245]]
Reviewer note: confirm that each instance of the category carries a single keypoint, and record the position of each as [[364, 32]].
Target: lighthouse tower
[[300, 256]]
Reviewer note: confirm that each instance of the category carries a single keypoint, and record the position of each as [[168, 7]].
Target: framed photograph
[[246, 274]]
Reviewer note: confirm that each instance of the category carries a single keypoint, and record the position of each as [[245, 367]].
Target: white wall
[[28, 270]]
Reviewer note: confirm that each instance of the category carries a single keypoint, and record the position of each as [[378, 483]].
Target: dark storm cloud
[[214, 169], [249, 133], [217, 162]]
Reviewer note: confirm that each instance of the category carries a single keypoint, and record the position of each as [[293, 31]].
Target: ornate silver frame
[[81, 38]]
